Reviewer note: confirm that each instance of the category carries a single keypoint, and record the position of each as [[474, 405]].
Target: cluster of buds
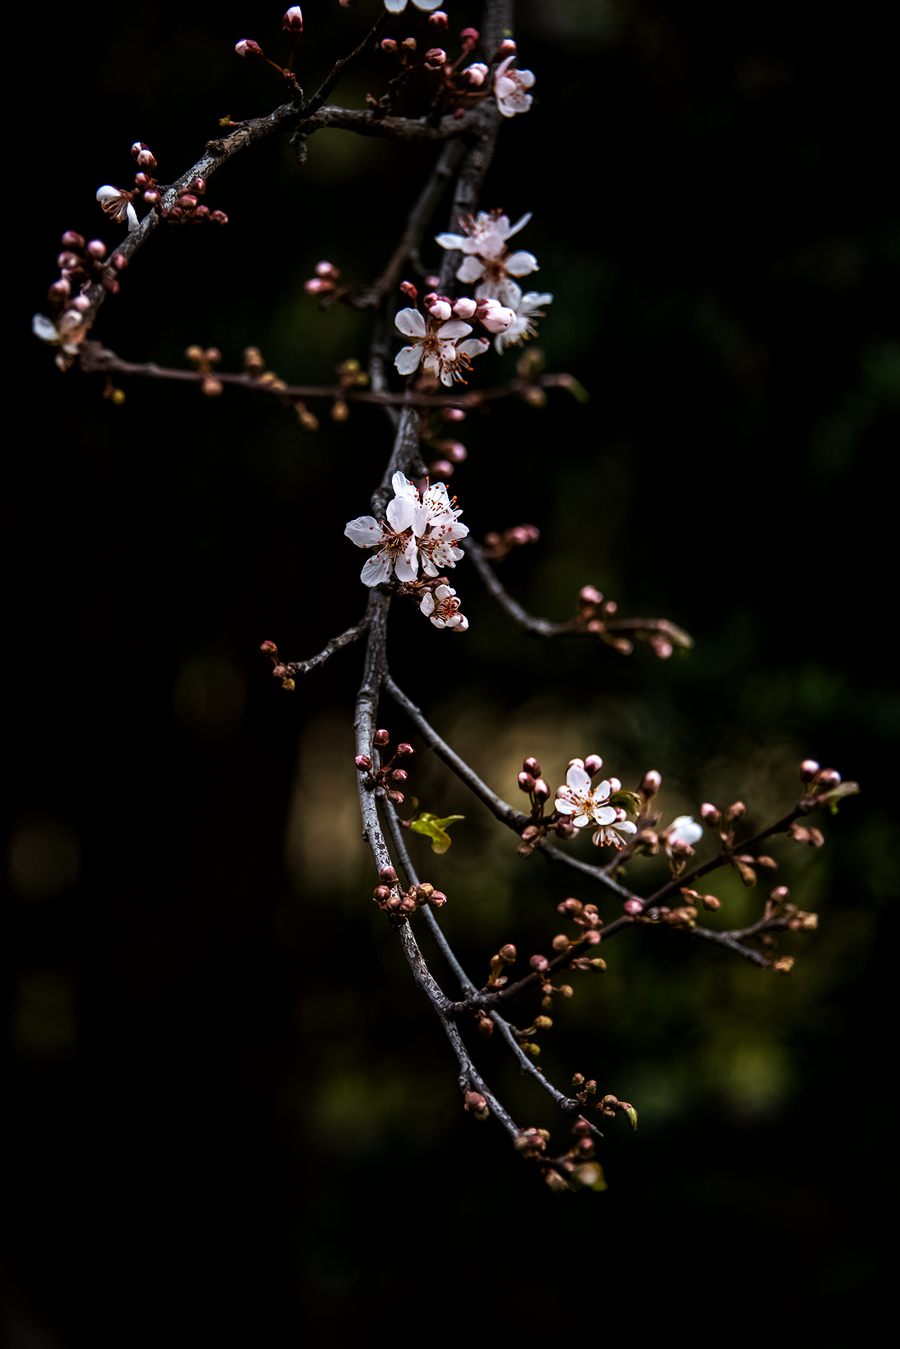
[[325, 279], [540, 965], [437, 335], [280, 670], [475, 1102], [531, 1142], [384, 776], [292, 27], [81, 265], [788, 915], [591, 613], [824, 787], [708, 902], [578, 1168], [497, 546], [186, 209], [452, 89], [390, 896], [205, 360], [586, 917]]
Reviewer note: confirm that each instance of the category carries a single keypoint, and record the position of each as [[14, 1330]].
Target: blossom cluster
[[420, 529], [588, 806], [81, 265], [487, 261]]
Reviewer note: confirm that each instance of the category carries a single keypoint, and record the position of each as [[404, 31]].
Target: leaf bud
[[363, 762], [808, 770], [529, 832], [543, 1022], [424, 891], [533, 767], [598, 964], [710, 902], [578, 1080], [387, 874], [476, 1103], [381, 738], [409, 44], [784, 965], [567, 990], [768, 862]]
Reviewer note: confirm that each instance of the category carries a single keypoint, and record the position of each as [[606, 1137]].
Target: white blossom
[[442, 607], [437, 346], [510, 86], [477, 228], [525, 308], [592, 807], [435, 526], [418, 529], [684, 830], [397, 6], [67, 333], [117, 205]]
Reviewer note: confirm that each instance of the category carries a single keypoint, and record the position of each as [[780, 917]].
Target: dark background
[[229, 1111]]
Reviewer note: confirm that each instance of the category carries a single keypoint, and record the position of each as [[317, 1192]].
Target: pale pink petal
[[377, 569], [365, 531], [411, 323], [407, 359]]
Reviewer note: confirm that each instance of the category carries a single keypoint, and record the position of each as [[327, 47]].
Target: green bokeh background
[[230, 1111]]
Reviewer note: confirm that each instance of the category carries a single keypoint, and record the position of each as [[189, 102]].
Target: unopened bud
[[96, 249], [388, 44], [404, 751], [437, 899], [409, 44], [211, 387], [270, 648], [736, 811], [710, 902], [561, 942], [507, 953], [780, 894], [395, 796], [381, 738], [541, 790], [633, 906], [72, 239], [526, 782], [533, 767], [247, 47], [475, 74], [363, 762], [598, 964], [784, 965], [409, 289], [829, 777], [650, 783], [399, 775], [539, 963], [435, 56], [293, 20], [808, 770], [387, 874], [424, 891], [709, 814], [382, 892], [507, 47], [592, 764], [468, 37], [438, 19], [441, 468]]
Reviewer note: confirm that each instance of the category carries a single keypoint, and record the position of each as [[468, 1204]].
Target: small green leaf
[[629, 801], [435, 829], [632, 1115]]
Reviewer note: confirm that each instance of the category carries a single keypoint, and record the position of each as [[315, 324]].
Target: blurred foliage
[[218, 1061]]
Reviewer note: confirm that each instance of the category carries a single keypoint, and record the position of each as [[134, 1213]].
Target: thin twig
[[345, 638]]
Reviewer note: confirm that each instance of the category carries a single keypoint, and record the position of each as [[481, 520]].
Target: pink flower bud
[[317, 285], [142, 180], [541, 790], [404, 751], [781, 892], [327, 269], [736, 811], [590, 595], [441, 468], [633, 906], [363, 762], [293, 20], [199, 186], [388, 44], [438, 19], [437, 899], [247, 47], [468, 37], [387, 874], [507, 47], [381, 738], [540, 963], [409, 289], [60, 290], [382, 893], [81, 303], [808, 769], [709, 814], [592, 764], [96, 249], [138, 147], [399, 775], [440, 310], [146, 159], [71, 239], [526, 782], [533, 767], [187, 200], [615, 785], [828, 778], [152, 197], [475, 74], [455, 452], [395, 796], [435, 56]]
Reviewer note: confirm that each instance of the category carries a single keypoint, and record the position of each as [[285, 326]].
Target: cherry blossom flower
[[437, 346], [684, 830], [442, 607], [525, 308], [397, 6], [510, 86], [592, 807], [478, 228], [67, 333], [435, 525], [116, 202], [398, 542]]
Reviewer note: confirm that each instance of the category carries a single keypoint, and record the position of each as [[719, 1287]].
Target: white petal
[[401, 512], [564, 807], [364, 531], [578, 779], [395, 6], [44, 329], [403, 487], [411, 323], [427, 605], [627, 827], [520, 224], [131, 216], [376, 569], [407, 359], [450, 240], [470, 269], [604, 814], [449, 332], [475, 346], [520, 264]]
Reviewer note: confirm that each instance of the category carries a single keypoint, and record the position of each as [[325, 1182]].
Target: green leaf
[[629, 801], [632, 1115], [435, 829]]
